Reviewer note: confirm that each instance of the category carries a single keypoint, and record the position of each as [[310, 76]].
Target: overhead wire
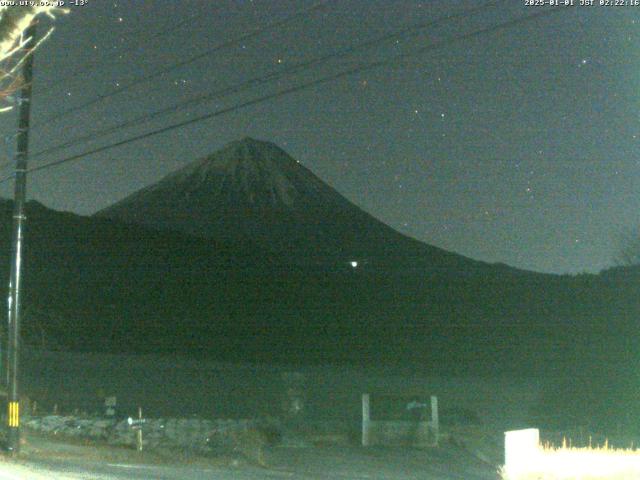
[[297, 88], [109, 58], [175, 66], [262, 79]]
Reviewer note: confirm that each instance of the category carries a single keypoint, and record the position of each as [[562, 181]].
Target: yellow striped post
[[14, 414]]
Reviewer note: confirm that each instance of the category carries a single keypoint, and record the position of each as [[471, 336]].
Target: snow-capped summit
[[246, 172]]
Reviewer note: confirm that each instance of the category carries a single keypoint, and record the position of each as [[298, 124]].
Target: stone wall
[[187, 433]]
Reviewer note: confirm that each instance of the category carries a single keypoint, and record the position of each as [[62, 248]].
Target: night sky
[[519, 145]]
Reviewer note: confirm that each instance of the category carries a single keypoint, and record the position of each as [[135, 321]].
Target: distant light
[[353, 263]]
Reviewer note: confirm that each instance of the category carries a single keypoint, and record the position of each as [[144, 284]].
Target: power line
[[297, 88], [106, 59], [127, 86], [259, 80]]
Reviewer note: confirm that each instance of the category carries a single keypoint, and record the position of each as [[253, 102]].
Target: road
[[54, 460]]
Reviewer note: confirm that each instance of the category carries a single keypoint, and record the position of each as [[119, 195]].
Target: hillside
[[98, 285], [94, 284]]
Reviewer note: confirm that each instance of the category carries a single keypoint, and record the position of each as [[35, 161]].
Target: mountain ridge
[[100, 285]]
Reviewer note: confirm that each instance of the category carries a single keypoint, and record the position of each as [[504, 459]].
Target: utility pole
[[15, 282]]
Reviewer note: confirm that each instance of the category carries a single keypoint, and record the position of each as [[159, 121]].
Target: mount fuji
[[253, 192]]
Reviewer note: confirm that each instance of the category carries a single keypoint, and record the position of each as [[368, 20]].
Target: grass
[[572, 463]]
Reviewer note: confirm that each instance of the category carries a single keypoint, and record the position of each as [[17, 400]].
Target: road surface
[[55, 460]]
